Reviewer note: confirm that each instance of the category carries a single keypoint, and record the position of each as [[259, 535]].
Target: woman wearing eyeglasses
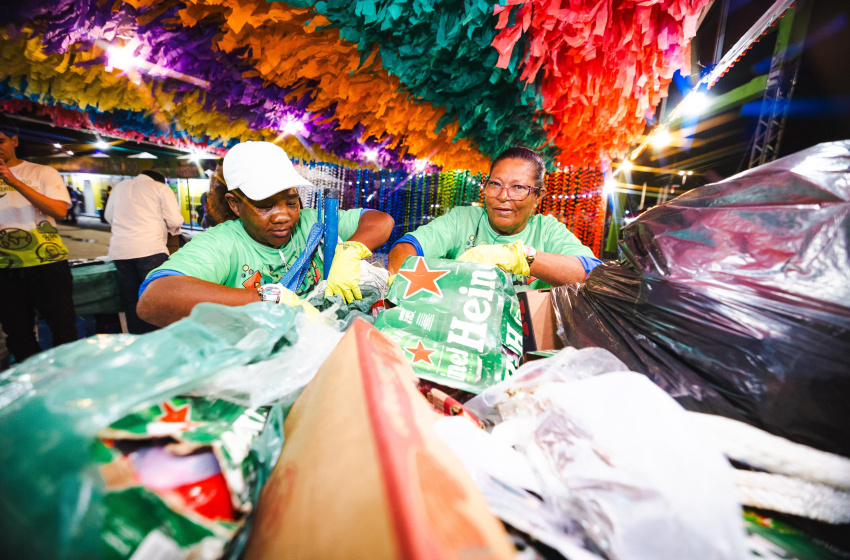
[[538, 250]]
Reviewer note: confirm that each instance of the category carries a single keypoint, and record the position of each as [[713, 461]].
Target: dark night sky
[[820, 105]]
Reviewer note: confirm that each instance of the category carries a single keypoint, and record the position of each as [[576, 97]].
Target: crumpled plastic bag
[[280, 378], [619, 468], [53, 405], [734, 298]]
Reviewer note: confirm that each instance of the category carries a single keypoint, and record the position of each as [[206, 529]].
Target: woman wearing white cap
[[262, 232]]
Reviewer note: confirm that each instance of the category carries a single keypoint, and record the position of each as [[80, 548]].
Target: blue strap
[[589, 263], [158, 274], [407, 238], [295, 275]]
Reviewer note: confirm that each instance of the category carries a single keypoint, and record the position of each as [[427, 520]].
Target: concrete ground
[[89, 237]]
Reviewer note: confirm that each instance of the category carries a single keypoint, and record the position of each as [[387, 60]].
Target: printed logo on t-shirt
[[10, 260], [15, 239], [7, 188], [254, 278], [41, 245]]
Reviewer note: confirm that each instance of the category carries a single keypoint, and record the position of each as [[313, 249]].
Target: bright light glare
[[295, 127], [420, 164], [695, 103], [371, 155], [608, 187], [69, 152], [661, 139], [57, 145], [626, 166], [690, 172], [122, 58], [197, 156], [101, 145]]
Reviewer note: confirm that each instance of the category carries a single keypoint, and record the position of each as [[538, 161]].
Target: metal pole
[[721, 31], [642, 197]]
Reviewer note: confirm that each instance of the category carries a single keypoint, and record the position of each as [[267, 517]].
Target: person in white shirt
[[34, 271], [142, 211]]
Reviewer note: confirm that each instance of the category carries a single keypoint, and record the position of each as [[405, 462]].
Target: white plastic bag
[[616, 456]]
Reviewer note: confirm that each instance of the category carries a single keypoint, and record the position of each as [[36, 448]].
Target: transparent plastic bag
[[53, 405], [280, 378], [616, 461], [569, 364]]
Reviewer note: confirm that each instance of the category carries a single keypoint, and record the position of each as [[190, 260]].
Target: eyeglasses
[[515, 192]]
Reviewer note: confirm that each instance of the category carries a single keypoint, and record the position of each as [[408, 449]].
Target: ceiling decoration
[[355, 82]]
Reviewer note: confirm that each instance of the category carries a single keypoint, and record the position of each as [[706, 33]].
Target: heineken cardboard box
[[457, 323], [181, 477], [539, 325]]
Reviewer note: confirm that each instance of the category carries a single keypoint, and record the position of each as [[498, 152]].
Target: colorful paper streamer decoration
[[373, 83], [605, 65], [368, 90]]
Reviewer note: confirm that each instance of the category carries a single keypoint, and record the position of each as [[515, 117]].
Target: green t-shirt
[[464, 227], [226, 254]]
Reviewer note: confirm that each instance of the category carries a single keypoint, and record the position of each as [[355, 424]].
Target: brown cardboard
[[363, 473], [538, 308]]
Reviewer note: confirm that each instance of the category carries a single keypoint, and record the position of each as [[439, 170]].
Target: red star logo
[[171, 414], [421, 279], [421, 354]]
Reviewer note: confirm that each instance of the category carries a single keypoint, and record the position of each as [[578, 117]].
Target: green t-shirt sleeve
[[439, 237], [348, 222], [205, 257], [559, 240]]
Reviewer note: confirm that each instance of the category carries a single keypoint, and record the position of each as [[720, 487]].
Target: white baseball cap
[[260, 170]]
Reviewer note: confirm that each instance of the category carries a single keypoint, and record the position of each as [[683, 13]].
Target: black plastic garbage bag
[[735, 298]]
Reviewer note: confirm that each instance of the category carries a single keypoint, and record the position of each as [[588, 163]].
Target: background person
[[80, 204], [34, 271], [202, 211], [106, 194], [262, 233], [142, 211], [71, 215], [538, 250]]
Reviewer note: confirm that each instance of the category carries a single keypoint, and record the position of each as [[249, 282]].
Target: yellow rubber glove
[[391, 279], [344, 277], [288, 297], [509, 258]]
